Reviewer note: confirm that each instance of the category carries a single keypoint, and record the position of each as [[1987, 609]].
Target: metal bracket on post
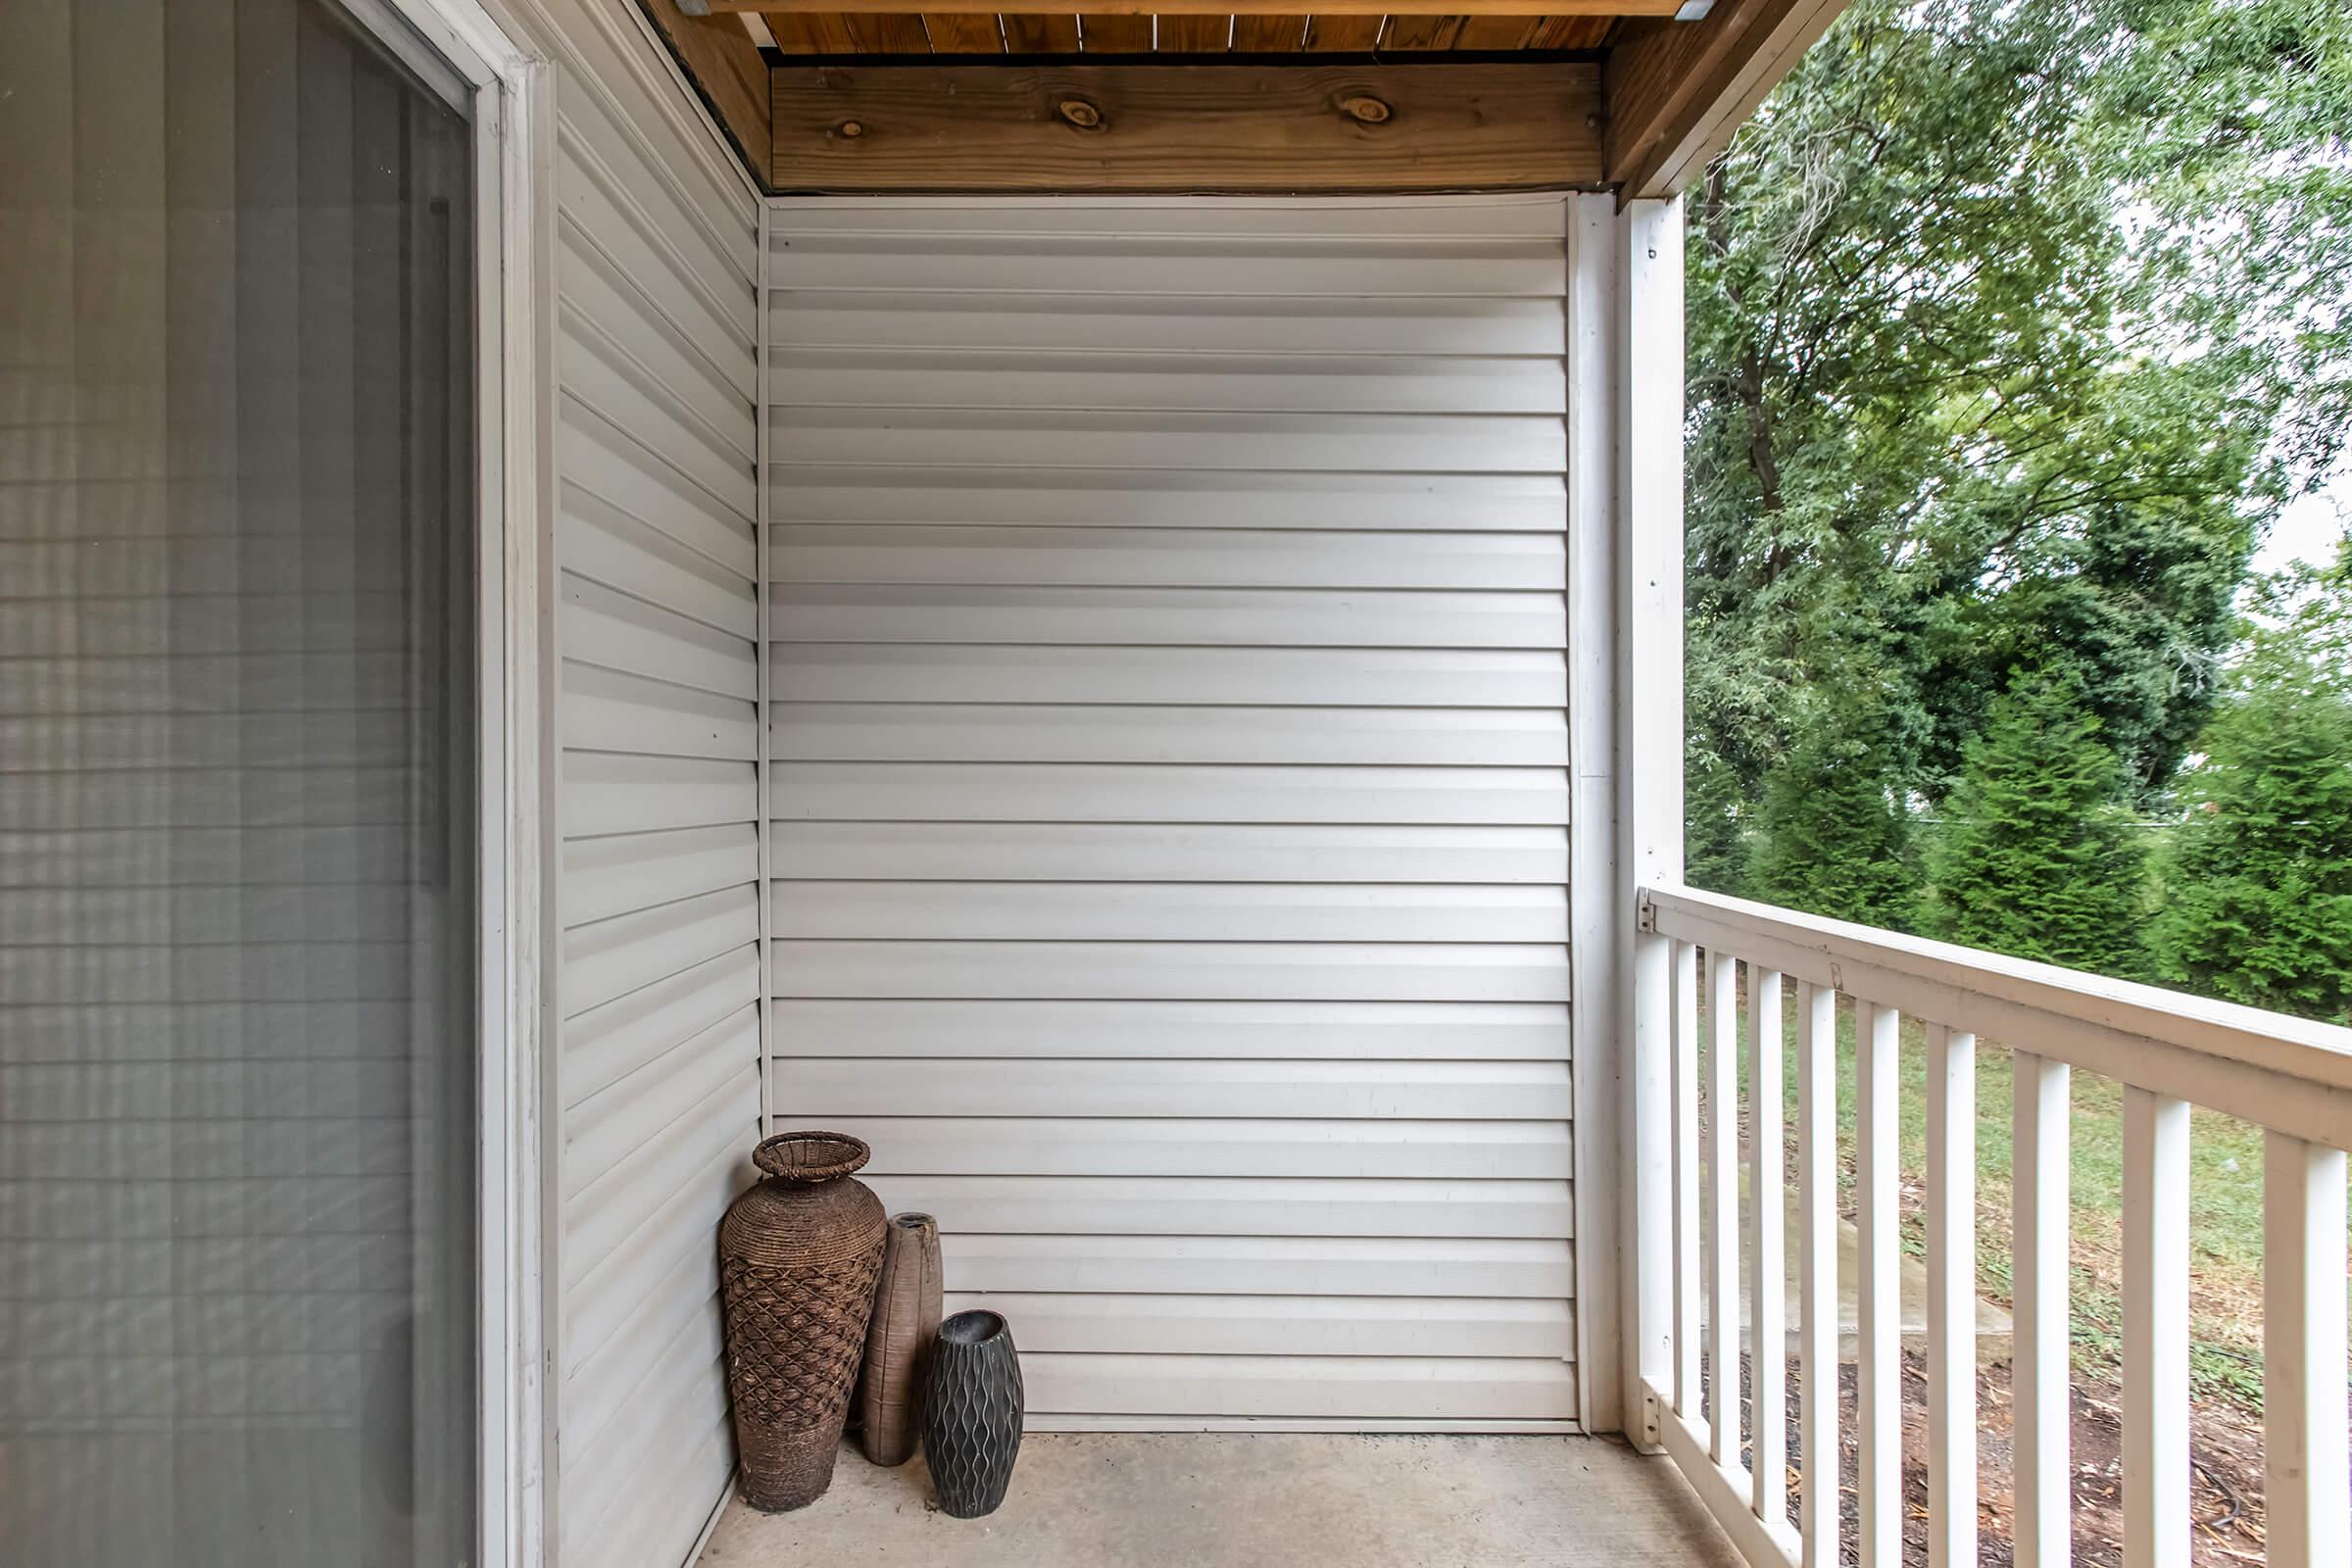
[[1651, 1437], [1645, 913]]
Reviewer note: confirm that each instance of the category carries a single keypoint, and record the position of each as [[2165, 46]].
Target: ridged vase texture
[[972, 1406], [898, 1340], [798, 1255]]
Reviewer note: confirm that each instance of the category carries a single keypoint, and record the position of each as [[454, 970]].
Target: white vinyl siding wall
[[1169, 784], [657, 1069]]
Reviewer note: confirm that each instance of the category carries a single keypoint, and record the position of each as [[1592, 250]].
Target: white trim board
[[512, 115]]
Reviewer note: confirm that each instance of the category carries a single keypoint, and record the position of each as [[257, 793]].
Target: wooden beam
[[1676, 91], [1266, 129], [1228, 8], [719, 58]]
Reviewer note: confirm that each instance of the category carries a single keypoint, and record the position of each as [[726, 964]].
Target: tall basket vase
[[797, 1258], [898, 1343]]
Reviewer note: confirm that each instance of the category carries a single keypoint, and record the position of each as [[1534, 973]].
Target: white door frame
[[513, 120]]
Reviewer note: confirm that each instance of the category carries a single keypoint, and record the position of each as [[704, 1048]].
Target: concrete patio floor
[[1243, 1500]]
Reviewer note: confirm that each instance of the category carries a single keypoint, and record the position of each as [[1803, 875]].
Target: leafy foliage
[[1832, 836], [2229, 120], [1941, 418], [2011, 328], [2258, 880], [1715, 844], [2036, 854]]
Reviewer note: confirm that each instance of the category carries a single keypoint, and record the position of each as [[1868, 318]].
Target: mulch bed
[[2224, 1457]]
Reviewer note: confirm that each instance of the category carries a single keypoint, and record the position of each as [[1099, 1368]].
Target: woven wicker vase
[[898, 1342], [972, 1405], [798, 1256]]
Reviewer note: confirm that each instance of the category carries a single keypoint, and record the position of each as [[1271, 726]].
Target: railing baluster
[[1686, 1311], [1723, 1208], [2040, 1364], [1879, 1388], [1951, 1298], [2155, 1331], [2290, 1076], [1768, 1257], [1817, 1240], [2303, 1349]]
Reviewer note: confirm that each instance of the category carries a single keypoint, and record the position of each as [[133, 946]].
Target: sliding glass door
[[237, 789]]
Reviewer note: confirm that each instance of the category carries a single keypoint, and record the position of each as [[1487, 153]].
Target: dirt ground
[[2224, 1457]]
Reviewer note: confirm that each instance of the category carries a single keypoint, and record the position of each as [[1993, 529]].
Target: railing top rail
[[2277, 1072]]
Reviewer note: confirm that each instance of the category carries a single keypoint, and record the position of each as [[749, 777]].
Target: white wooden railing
[[2168, 1050]]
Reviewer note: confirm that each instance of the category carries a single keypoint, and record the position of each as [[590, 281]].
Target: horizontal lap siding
[[1169, 797], [656, 260]]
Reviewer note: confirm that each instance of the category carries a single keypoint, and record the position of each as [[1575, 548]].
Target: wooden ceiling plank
[[1570, 32], [1202, 8], [1676, 91], [1027, 33], [813, 33], [1344, 34], [1115, 35], [1239, 129], [1420, 33], [1496, 32], [1193, 35], [894, 33], [1269, 35], [957, 32]]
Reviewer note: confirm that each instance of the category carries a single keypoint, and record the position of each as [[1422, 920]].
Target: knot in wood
[[1364, 108], [850, 129], [1078, 112]]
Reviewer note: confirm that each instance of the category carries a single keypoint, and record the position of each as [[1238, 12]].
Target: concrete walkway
[[1244, 1500], [1992, 1324]]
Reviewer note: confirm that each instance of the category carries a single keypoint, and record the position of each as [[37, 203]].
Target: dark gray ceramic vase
[[973, 1410]]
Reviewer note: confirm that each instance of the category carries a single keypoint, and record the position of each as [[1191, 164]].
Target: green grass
[[2224, 1209]]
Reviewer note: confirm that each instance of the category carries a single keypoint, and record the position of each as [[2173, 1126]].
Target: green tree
[[1715, 850], [2036, 854], [1832, 834], [2228, 119], [1979, 381], [2257, 882]]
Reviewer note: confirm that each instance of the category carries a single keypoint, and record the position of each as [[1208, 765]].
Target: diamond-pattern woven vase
[[972, 1411], [798, 1256]]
